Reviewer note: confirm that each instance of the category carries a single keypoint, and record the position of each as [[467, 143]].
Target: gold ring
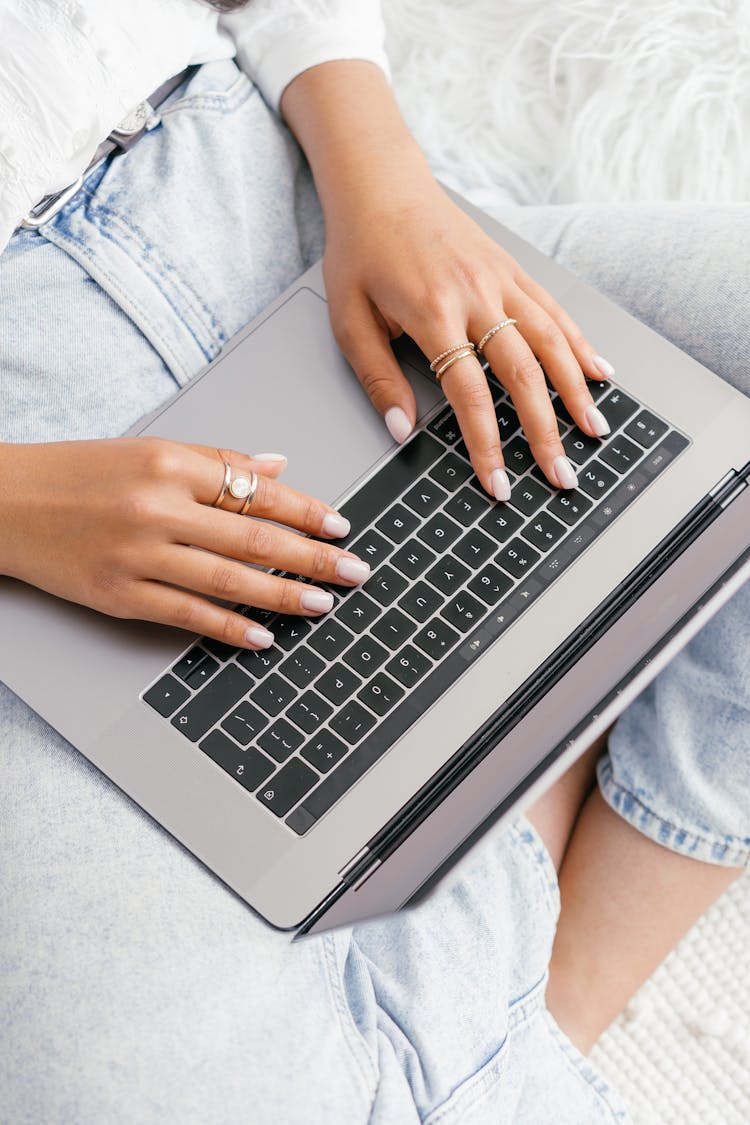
[[450, 351], [225, 485], [453, 359], [253, 482], [495, 328]]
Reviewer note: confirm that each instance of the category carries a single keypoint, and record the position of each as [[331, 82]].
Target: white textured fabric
[[70, 70]]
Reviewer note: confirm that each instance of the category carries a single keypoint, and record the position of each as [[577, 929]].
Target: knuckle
[[377, 385], [489, 451], [527, 373], [258, 542], [223, 581], [187, 615], [552, 336], [548, 439], [287, 595], [160, 459], [139, 507], [312, 516], [436, 300], [476, 395], [320, 563], [231, 629]]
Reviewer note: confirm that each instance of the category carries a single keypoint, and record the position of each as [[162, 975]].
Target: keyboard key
[[518, 558], [466, 506], [354, 766], [358, 611], [445, 426], [221, 651], [425, 497], [501, 522], [579, 446], [544, 531], [448, 575], [280, 740], [646, 429], [517, 455], [273, 694], [397, 523], [475, 548], [330, 638], [260, 662], [413, 558], [598, 387], [381, 694], [249, 767], [451, 472], [245, 723], [528, 494], [324, 751], [491, 585], [409, 666], [386, 585], [394, 627], [439, 532], [617, 407], [464, 611], [309, 712], [188, 663], [569, 506], [378, 493], [365, 656], [596, 479], [289, 631], [302, 666], [507, 420], [166, 695], [372, 547], [337, 684], [436, 638], [287, 787], [621, 455], [212, 703], [352, 723], [421, 601]]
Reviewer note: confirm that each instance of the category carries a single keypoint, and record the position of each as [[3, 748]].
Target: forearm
[[346, 119]]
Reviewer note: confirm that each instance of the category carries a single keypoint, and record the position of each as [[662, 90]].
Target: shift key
[[212, 703]]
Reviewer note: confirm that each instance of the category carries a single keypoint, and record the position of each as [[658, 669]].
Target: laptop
[[341, 773]]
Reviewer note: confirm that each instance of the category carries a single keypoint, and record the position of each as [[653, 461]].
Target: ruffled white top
[[70, 70]]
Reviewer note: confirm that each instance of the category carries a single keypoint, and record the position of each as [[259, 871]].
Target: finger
[[206, 573], [364, 338], [593, 365], [515, 366], [272, 500], [267, 464], [155, 602], [550, 345], [466, 388]]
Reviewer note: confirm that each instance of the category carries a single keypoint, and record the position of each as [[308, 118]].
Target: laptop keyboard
[[298, 724]]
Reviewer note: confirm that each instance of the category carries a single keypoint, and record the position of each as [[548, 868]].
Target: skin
[[118, 530]]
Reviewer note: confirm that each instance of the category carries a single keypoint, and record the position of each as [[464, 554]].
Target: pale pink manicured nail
[[399, 426], [596, 421], [603, 366], [499, 484], [565, 473], [269, 457], [259, 637], [352, 570], [317, 601], [336, 526]]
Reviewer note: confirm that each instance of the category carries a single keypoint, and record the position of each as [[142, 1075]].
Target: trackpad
[[286, 388]]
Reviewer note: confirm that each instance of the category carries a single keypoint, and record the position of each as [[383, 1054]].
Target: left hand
[[407, 259]]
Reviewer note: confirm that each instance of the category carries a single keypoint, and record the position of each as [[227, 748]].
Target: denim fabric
[[133, 986]]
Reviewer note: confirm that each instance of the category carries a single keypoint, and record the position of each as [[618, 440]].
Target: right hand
[[114, 525]]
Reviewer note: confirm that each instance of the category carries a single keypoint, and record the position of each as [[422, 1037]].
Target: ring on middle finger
[[506, 323]]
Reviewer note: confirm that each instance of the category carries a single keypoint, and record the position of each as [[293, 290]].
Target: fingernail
[[336, 526], [565, 473], [499, 484], [352, 570], [596, 421], [602, 366], [317, 601], [259, 637], [399, 426], [269, 457]]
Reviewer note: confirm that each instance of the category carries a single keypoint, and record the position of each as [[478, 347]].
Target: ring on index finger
[[449, 357]]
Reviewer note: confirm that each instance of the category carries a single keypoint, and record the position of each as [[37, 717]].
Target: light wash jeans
[[134, 987]]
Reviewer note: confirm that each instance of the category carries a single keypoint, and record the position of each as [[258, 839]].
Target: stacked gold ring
[[495, 328], [446, 359]]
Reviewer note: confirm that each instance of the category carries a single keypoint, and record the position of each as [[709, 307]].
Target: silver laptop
[[337, 775]]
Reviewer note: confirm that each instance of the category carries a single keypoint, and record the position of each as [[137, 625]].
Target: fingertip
[[270, 464], [398, 424], [563, 473], [335, 525], [499, 485], [257, 637], [602, 368]]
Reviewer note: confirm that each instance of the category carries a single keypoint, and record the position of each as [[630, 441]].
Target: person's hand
[[115, 524], [403, 257]]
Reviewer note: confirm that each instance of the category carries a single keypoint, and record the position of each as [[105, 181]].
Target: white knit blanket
[[538, 101]]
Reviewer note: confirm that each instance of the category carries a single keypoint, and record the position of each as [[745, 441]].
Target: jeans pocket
[[217, 87]]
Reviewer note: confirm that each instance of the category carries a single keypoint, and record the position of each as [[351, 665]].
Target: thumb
[[366, 344]]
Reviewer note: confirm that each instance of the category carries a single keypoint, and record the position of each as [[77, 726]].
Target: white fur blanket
[[595, 100]]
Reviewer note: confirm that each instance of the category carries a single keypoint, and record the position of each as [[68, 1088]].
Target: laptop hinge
[[358, 868]]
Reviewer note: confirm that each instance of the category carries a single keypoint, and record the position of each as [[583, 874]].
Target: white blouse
[[69, 72]]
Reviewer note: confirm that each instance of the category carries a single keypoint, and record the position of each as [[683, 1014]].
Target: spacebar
[[342, 778]]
